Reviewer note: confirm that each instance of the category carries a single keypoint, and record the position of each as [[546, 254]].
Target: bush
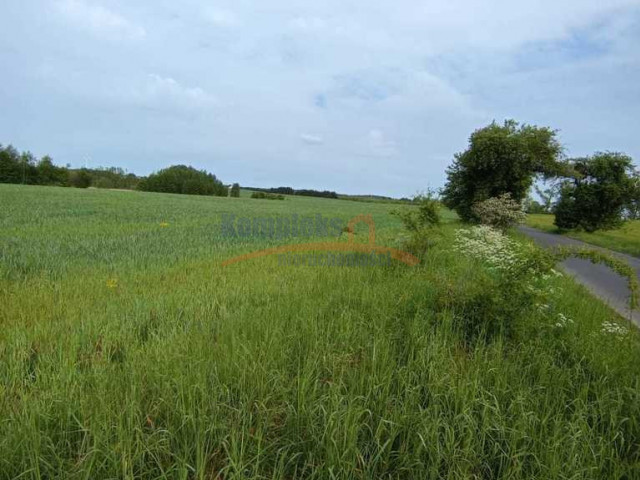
[[420, 224], [519, 282], [426, 216], [113, 177], [184, 180], [499, 212], [235, 190], [80, 178], [267, 196]]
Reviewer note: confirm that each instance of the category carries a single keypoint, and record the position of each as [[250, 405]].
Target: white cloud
[[166, 89], [307, 23], [99, 19], [396, 83], [312, 139], [380, 145], [221, 17]]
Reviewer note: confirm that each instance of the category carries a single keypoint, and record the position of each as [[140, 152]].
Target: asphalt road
[[599, 279]]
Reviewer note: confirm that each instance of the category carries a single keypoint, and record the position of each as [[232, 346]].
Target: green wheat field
[[128, 351]]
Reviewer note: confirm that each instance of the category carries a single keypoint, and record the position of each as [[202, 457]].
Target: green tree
[[185, 180], [598, 192], [235, 190], [500, 159], [548, 195], [633, 209], [80, 178], [50, 174], [28, 169], [10, 171], [533, 206]]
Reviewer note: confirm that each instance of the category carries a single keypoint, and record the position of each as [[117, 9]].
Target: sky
[[356, 96]]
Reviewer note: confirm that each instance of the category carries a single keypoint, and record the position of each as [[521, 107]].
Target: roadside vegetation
[[594, 198], [129, 352], [625, 239]]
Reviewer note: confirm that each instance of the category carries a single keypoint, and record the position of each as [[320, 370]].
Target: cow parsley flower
[[611, 328], [563, 321]]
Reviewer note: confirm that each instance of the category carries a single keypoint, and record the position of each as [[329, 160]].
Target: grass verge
[[625, 239]]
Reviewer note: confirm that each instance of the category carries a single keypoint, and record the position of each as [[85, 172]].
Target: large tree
[[598, 192], [500, 159], [10, 168], [183, 179]]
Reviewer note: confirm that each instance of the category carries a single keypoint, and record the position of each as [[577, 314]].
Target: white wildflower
[[542, 307], [563, 321], [491, 246], [611, 328]]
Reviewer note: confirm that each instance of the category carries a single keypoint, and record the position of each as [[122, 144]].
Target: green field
[[129, 352], [625, 239]]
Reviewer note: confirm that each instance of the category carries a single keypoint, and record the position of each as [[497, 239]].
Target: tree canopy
[[597, 193], [185, 180], [500, 159]]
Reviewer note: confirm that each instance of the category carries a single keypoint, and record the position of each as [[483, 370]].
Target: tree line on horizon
[[24, 168], [292, 191]]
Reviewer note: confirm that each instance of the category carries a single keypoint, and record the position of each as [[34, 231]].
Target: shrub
[[113, 177], [499, 212], [185, 180], [267, 196], [518, 281], [420, 223], [235, 190], [519, 285], [425, 216], [80, 178]]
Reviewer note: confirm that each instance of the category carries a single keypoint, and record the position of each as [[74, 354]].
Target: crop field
[[128, 351], [625, 239]]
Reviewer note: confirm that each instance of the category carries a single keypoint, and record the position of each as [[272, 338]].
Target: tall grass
[[128, 352]]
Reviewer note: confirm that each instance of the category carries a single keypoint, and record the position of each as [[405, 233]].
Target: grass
[[128, 352], [625, 239]]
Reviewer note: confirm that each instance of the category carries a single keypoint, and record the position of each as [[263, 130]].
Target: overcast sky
[[356, 96]]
